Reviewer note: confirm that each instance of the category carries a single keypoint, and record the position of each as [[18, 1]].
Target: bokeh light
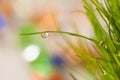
[[31, 53]]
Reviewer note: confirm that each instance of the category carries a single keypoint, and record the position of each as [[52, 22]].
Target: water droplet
[[104, 72], [105, 46], [118, 54], [45, 35], [101, 43]]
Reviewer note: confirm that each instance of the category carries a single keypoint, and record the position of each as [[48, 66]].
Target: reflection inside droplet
[[45, 35]]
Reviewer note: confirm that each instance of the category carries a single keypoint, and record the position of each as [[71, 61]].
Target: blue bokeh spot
[[57, 61], [3, 22]]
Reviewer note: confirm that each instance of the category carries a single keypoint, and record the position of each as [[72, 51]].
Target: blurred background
[[48, 56]]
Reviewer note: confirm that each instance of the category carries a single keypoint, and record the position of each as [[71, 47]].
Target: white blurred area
[[31, 53], [12, 66]]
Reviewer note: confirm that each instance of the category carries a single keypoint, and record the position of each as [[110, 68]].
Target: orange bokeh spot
[[6, 9], [56, 77], [45, 21], [37, 76]]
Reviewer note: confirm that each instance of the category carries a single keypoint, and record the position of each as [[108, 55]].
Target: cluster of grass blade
[[110, 47], [107, 41]]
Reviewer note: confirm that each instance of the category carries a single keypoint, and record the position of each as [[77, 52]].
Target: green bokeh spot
[[42, 63]]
